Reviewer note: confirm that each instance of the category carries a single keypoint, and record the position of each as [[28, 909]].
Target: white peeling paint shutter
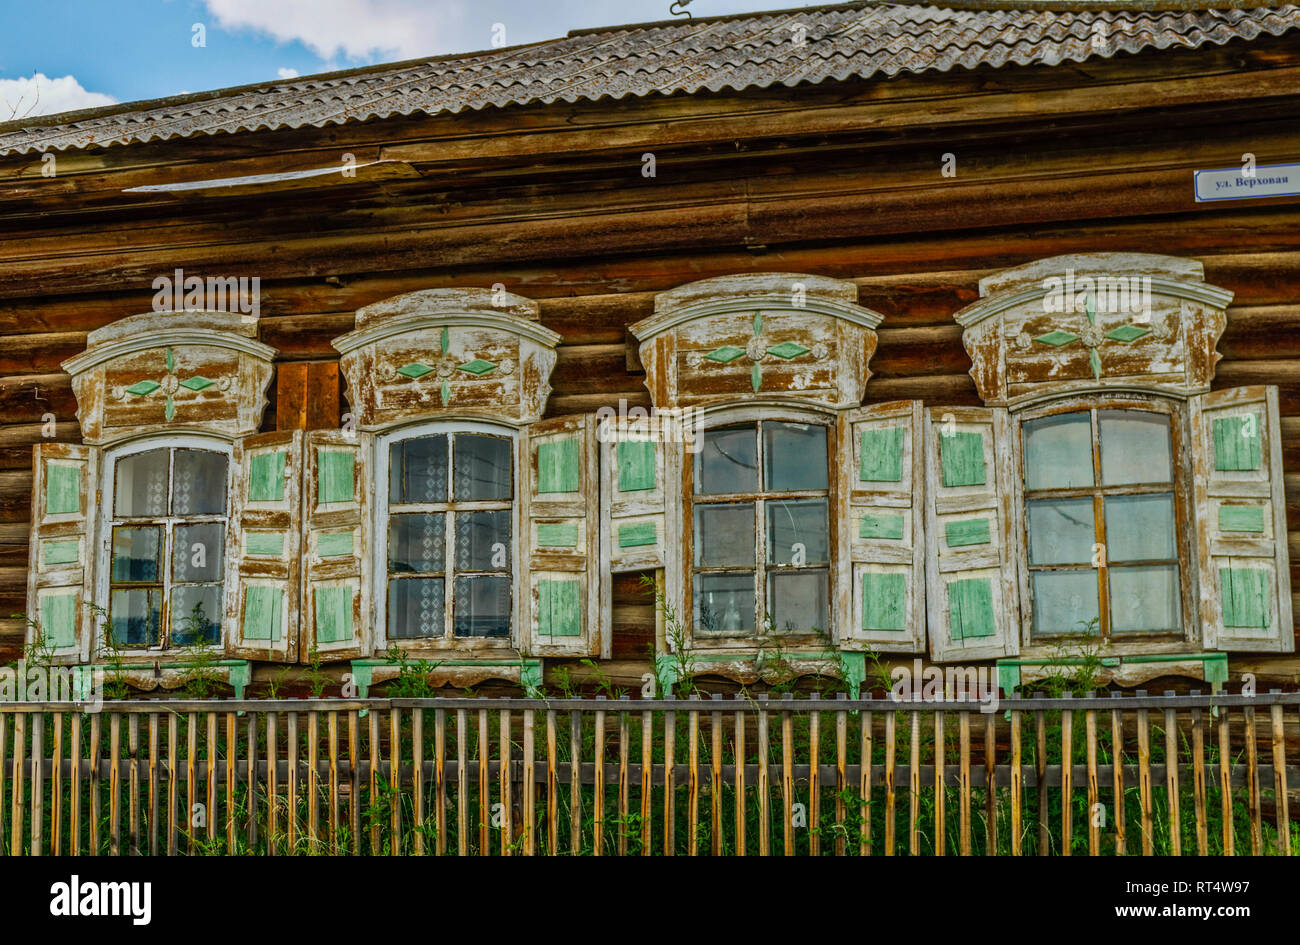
[[337, 497], [972, 594], [60, 574], [561, 538], [881, 514], [264, 550], [1240, 502], [632, 496]]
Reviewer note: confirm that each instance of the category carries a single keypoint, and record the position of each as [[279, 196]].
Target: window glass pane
[[482, 467], [196, 615], [1135, 447], [136, 555], [483, 541], [482, 606], [141, 486], [724, 603], [1140, 527], [135, 616], [197, 552], [199, 483], [798, 600], [417, 470], [1145, 599], [415, 608], [1064, 601], [794, 457], [1061, 531], [727, 461], [724, 536], [797, 532], [416, 541], [1058, 452]]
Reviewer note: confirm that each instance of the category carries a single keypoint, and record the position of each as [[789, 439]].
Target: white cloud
[[357, 29], [285, 72], [41, 95]]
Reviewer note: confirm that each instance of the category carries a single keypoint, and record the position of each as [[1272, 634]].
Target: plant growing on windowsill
[[683, 667], [201, 677], [412, 680], [774, 667], [110, 656], [316, 675], [275, 682], [1077, 666], [35, 650]]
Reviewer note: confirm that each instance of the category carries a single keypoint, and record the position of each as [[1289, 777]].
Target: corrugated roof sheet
[[681, 57]]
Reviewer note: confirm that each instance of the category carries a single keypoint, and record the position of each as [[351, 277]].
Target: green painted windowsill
[[855, 665], [1215, 666], [239, 673], [530, 671]]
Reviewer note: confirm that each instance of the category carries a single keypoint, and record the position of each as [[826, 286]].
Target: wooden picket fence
[[734, 776]]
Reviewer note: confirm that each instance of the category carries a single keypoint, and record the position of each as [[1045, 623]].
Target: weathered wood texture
[[416, 766], [841, 181]]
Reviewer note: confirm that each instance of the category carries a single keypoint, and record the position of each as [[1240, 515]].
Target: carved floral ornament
[[1096, 320], [783, 335], [444, 352], [201, 371]]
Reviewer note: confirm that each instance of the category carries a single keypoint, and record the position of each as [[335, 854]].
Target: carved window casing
[[137, 541], [480, 520], [776, 527], [1183, 521]]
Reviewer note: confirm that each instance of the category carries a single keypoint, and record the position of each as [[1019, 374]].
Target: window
[[166, 543], [1102, 523], [450, 522], [762, 539]]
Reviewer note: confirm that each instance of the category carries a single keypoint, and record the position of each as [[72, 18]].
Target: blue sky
[[58, 55]]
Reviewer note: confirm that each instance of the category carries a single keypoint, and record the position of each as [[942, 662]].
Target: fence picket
[[54, 782]]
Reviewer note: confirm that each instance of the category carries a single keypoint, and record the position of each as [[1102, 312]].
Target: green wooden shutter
[[971, 559], [337, 497], [1240, 515], [264, 552], [880, 509], [562, 537], [632, 494], [61, 556]]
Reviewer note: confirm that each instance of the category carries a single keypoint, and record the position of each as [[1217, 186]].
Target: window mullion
[[448, 570]]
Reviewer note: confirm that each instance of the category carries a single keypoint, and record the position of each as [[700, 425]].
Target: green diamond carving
[[787, 350], [1127, 333], [170, 410], [197, 383], [140, 388], [1056, 338], [725, 355], [478, 367], [414, 370]]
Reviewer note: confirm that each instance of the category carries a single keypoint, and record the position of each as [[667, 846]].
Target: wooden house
[[866, 331]]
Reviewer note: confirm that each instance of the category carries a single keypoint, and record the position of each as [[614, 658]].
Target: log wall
[[842, 181]]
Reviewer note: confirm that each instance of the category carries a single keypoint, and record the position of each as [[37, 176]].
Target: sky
[[60, 55]]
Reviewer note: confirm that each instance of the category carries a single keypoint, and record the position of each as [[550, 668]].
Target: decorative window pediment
[[171, 371], [448, 352], [777, 335], [1094, 321]]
